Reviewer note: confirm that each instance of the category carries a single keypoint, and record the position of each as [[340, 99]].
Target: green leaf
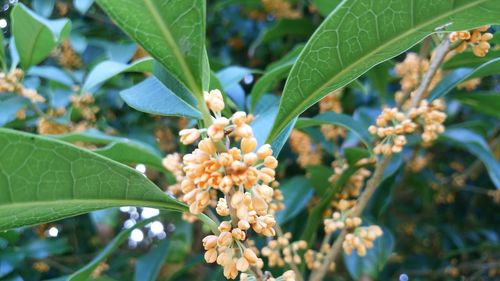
[[9, 107], [297, 192], [82, 6], [35, 37], [332, 118], [44, 180], [374, 261], [477, 146], [84, 273], [52, 73], [468, 59], [172, 31], [269, 80], [3, 61], [230, 77], [109, 69], [360, 34], [462, 74], [318, 177], [325, 7], [120, 149], [487, 103], [148, 266], [354, 154], [151, 96], [284, 27]]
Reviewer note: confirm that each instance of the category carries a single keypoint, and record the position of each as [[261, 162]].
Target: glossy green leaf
[[477, 146], [45, 180], [120, 149], [35, 37], [109, 69], [332, 118], [460, 75], [469, 60], [374, 261], [229, 79], [151, 96], [85, 272], [284, 27], [172, 31], [9, 107], [354, 154], [268, 81], [297, 192], [82, 6], [360, 34], [487, 103], [148, 266]]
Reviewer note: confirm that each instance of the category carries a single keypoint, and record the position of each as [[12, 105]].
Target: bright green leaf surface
[[108, 69], [43, 180], [35, 36], [172, 31], [468, 59], [360, 34]]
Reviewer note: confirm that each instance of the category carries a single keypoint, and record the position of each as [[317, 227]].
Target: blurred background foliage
[[439, 208]]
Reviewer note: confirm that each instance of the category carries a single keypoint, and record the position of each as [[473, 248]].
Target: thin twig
[[439, 55]]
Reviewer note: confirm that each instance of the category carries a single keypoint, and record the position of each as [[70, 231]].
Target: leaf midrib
[[171, 41], [103, 202], [308, 98]]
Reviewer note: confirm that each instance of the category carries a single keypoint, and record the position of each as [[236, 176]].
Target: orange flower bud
[[248, 144], [188, 136]]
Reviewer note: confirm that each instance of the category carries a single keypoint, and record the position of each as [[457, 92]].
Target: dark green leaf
[[318, 176], [268, 81], [462, 74], [148, 266], [360, 34], [82, 6], [35, 36], [325, 7], [297, 192], [487, 103], [337, 119], [354, 154], [173, 32], [469, 60], [477, 146]]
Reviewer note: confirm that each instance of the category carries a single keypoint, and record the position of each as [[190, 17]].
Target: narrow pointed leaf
[[360, 34], [487, 103]]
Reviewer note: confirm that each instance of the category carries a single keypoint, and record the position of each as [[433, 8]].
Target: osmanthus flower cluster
[[11, 82], [308, 152], [332, 102], [477, 38], [392, 126], [238, 181], [281, 251]]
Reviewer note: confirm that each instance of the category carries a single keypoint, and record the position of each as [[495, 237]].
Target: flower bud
[[188, 136], [264, 151], [211, 256], [248, 144]]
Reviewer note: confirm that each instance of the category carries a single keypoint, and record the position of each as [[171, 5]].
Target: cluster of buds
[[314, 259], [173, 163], [281, 252], [332, 102], [85, 104], [353, 185], [47, 125], [66, 56], [392, 125], [308, 152], [469, 85], [361, 239], [281, 9], [228, 251], [244, 176], [340, 221], [11, 83], [478, 38]]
